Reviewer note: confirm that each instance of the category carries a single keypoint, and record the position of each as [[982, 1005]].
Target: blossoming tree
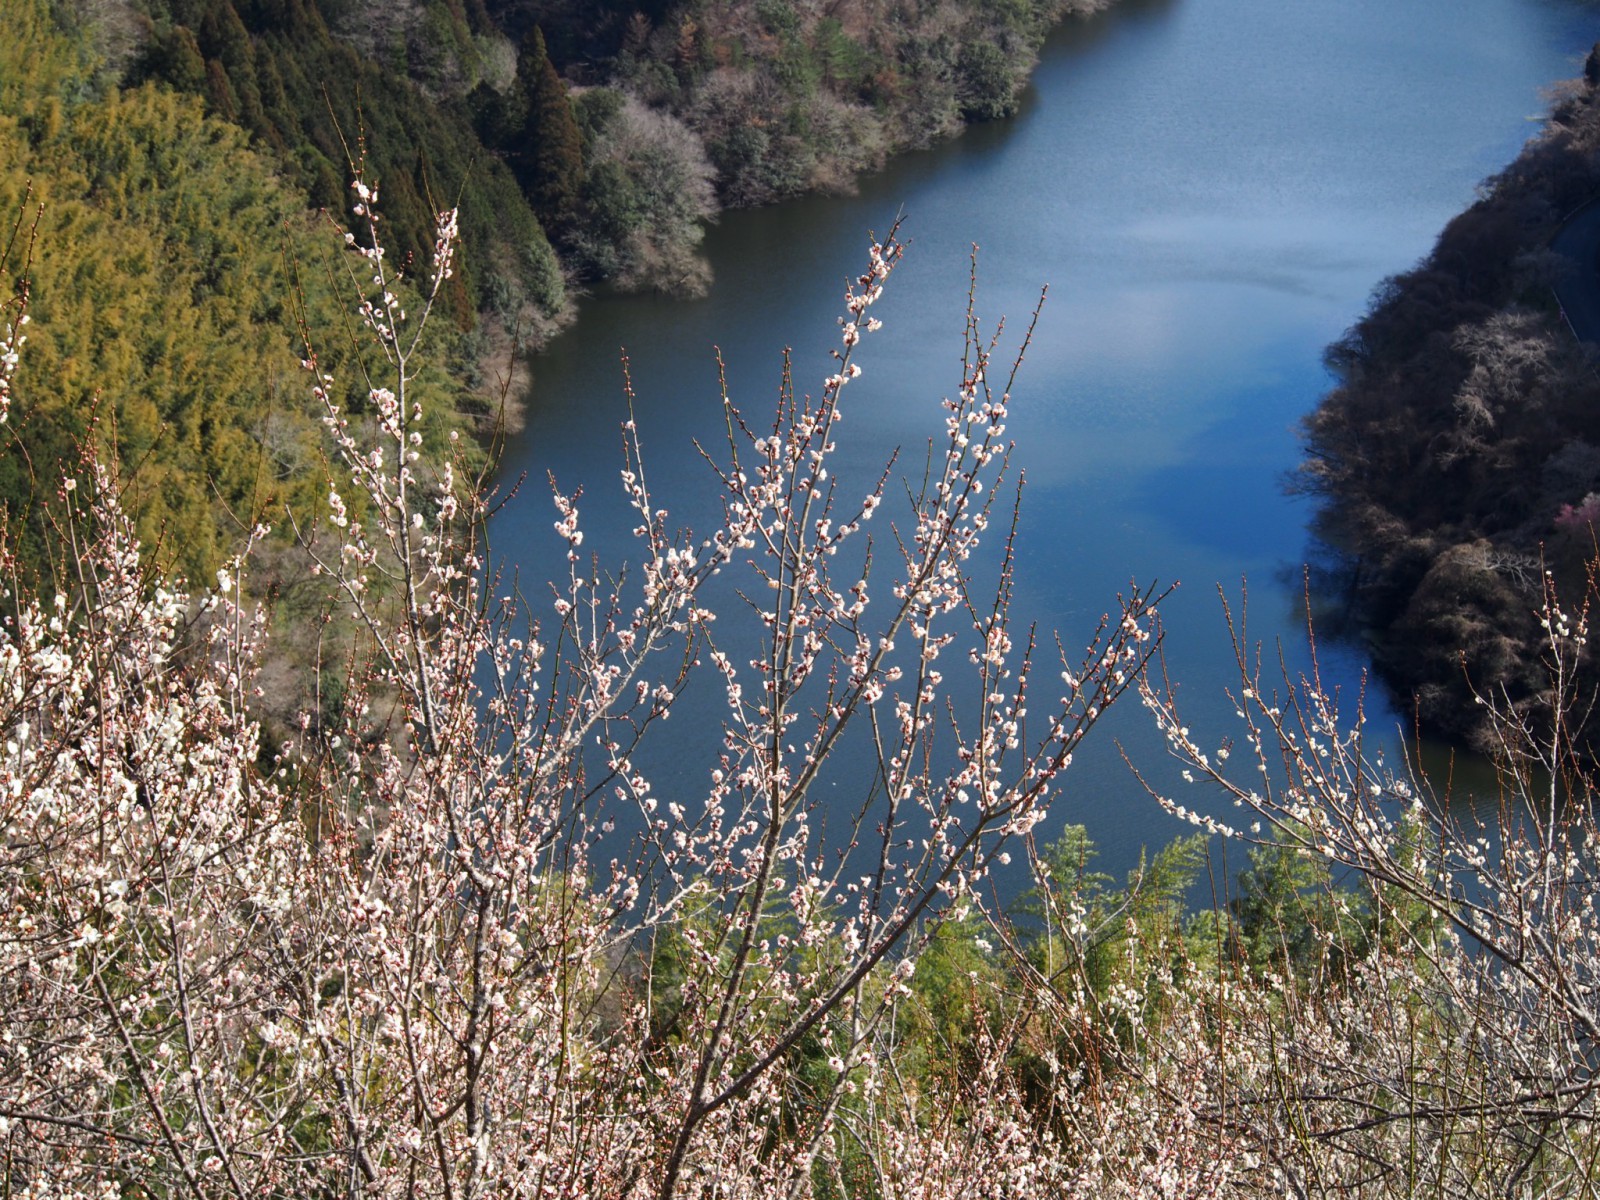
[[408, 957]]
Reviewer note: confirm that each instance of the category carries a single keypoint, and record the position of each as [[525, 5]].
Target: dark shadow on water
[[1330, 581]]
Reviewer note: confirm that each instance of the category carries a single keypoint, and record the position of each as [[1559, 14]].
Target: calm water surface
[[1211, 189]]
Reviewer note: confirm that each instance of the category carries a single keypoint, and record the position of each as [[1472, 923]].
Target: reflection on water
[[1211, 188]]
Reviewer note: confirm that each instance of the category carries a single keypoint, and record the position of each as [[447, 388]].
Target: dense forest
[[608, 130], [168, 260], [1459, 454]]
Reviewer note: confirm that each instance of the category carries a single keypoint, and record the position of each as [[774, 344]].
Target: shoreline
[[511, 398]]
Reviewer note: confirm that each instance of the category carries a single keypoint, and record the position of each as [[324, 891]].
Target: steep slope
[[1459, 455], [162, 276]]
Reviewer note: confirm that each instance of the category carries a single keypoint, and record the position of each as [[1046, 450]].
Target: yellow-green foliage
[[161, 304]]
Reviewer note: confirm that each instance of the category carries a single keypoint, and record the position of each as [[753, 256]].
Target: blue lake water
[[1211, 189]]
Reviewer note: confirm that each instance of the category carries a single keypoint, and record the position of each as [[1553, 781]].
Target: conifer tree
[[175, 56], [550, 156]]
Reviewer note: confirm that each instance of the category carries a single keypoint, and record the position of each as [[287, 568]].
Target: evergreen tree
[[175, 56], [550, 157], [274, 67]]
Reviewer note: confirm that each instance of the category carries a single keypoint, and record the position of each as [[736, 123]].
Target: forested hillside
[[793, 95], [313, 103], [165, 257], [626, 127], [1459, 455]]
